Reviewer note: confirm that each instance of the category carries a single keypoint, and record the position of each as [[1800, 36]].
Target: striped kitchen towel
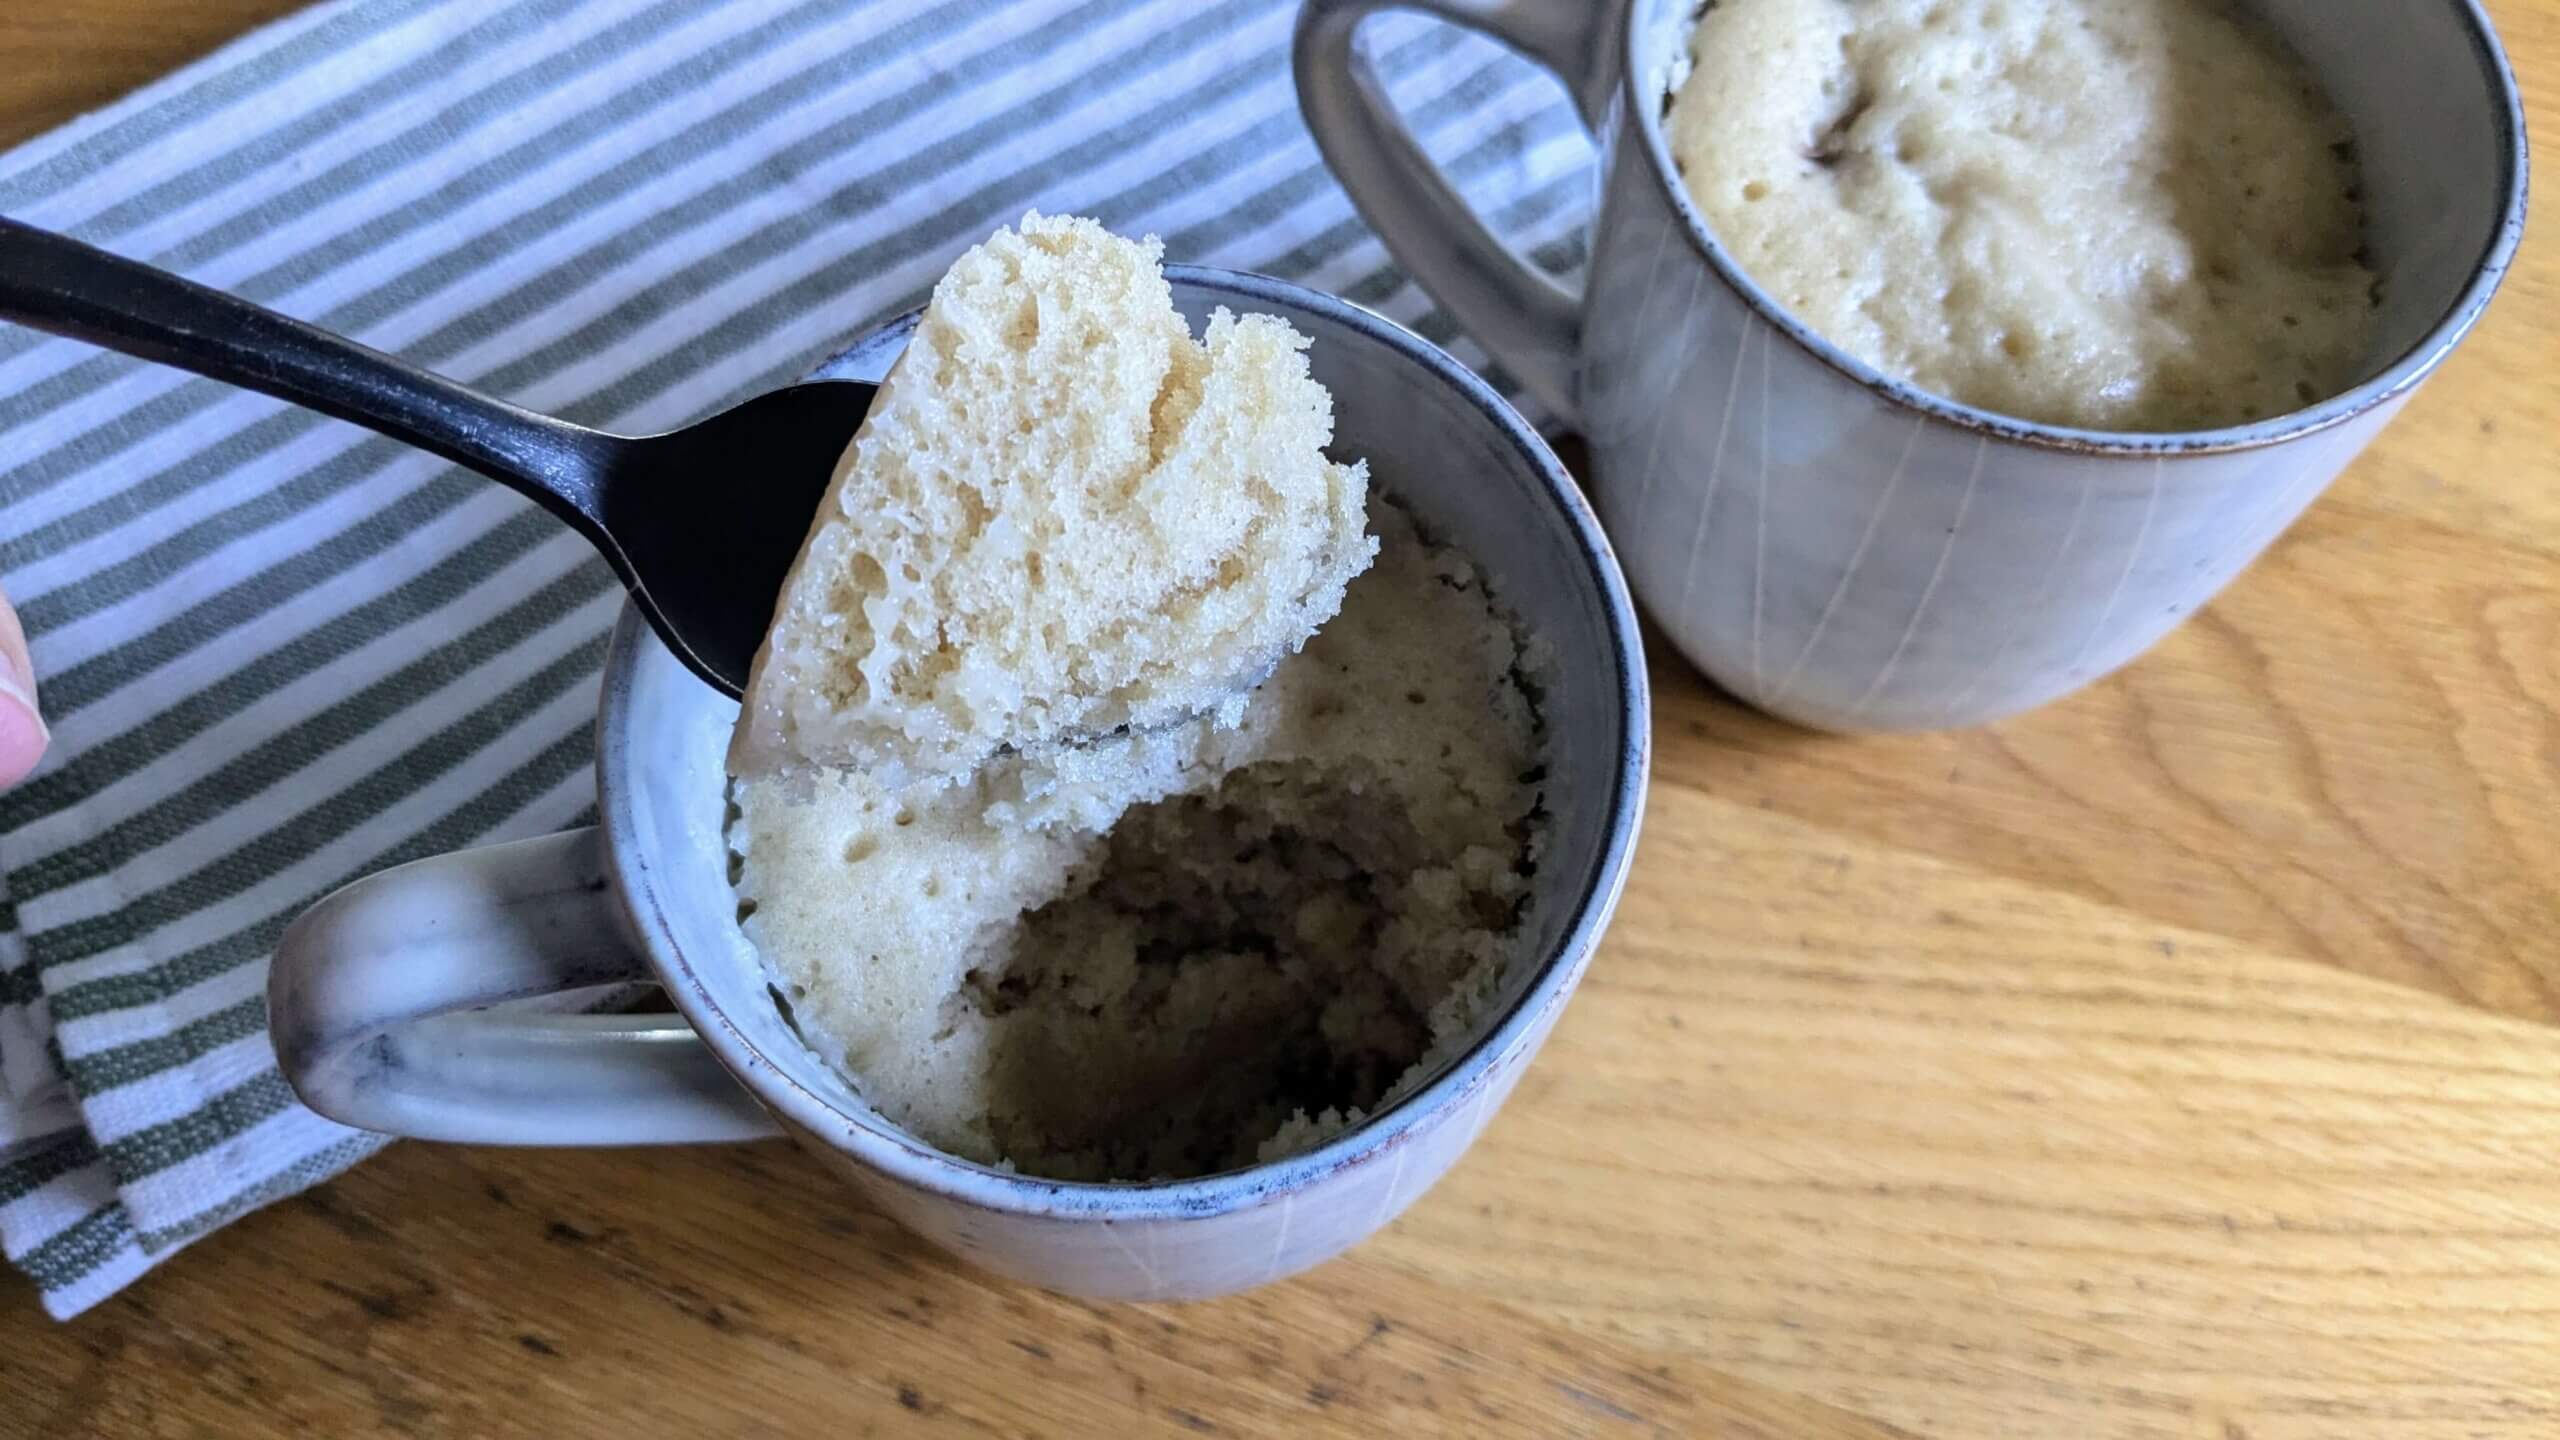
[[278, 653]]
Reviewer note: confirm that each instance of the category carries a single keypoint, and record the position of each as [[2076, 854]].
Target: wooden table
[[2174, 1062]]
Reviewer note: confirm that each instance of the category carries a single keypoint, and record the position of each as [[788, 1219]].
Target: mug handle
[[378, 1004], [1524, 319]]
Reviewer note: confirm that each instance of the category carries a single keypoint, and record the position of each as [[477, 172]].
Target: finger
[[23, 735]]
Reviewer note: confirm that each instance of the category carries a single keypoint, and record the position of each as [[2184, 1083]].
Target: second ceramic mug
[[380, 998], [1841, 548]]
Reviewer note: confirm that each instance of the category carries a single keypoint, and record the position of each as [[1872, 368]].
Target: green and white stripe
[[279, 653]]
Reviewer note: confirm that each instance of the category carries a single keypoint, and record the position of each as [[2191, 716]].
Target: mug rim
[[2392, 382], [872, 1141]]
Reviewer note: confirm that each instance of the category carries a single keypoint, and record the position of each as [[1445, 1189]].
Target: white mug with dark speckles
[[1835, 546], [380, 993]]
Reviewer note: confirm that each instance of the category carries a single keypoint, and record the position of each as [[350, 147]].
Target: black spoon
[[701, 523]]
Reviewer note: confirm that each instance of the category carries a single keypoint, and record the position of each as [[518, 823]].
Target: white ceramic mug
[[1838, 547], [379, 994]]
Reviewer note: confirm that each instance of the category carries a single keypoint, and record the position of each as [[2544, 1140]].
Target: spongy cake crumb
[[1181, 951], [2117, 214], [1062, 515]]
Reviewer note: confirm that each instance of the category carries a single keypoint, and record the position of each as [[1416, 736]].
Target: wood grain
[[63, 58], [2174, 1062], [442, 1291]]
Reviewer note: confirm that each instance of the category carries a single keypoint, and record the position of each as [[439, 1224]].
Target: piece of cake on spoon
[[1063, 517]]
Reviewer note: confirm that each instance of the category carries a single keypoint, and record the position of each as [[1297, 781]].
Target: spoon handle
[[54, 283]]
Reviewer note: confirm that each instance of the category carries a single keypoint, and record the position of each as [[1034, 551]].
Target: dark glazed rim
[[964, 1181], [2395, 380]]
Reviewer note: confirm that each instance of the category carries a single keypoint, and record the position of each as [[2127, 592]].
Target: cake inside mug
[[2135, 215], [1187, 944]]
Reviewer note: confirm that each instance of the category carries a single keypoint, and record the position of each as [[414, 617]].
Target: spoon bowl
[[708, 518]]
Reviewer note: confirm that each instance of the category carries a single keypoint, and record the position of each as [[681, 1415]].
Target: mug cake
[[2131, 215], [1235, 921]]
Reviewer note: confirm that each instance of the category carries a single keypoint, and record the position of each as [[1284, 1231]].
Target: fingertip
[[23, 736]]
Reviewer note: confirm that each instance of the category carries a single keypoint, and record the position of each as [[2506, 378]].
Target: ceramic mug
[[1838, 547], [379, 995]]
